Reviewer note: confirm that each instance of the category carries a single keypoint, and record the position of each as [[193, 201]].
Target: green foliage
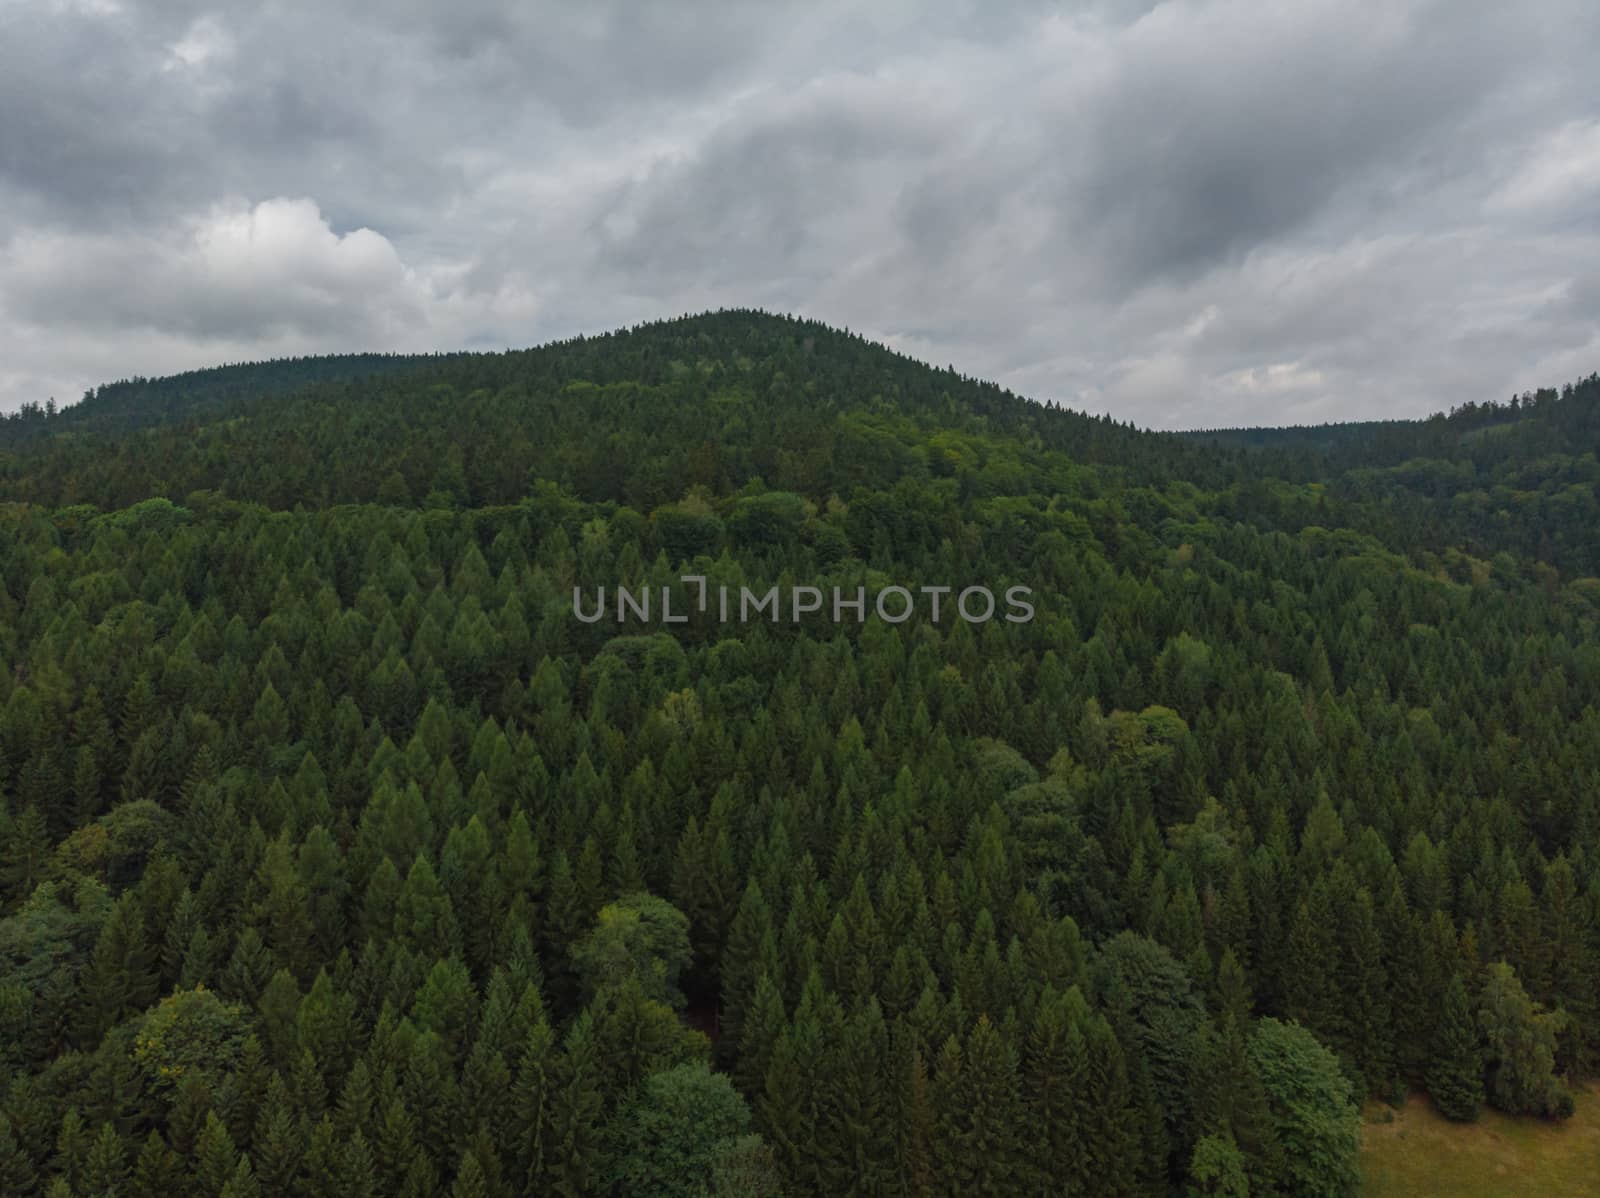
[[190, 1031], [769, 519], [671, 1137], [159, 515], [1315, 1120], [1519, 1053], [639, 937], [331, 843], [1217, 1169], [745, 1167]]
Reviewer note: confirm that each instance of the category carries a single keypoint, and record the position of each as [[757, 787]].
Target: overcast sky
[[1196, 213]]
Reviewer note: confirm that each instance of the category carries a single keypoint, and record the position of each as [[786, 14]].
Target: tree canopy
[[338, 857]]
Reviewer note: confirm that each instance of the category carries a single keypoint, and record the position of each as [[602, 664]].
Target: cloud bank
[[1193, 213]]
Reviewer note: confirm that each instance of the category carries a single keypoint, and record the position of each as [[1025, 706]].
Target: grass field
[[1422, 1153]]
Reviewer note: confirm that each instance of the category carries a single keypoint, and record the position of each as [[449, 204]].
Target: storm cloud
[[1193, 213]]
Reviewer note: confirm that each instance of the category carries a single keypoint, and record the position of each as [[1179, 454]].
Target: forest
[[338, 857]]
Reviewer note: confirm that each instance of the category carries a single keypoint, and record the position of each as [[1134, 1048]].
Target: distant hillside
[[738, 396], [1545, 421], [121, 407]]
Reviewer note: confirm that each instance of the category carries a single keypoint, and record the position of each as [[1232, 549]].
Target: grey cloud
[[276, 268], [1192, 158], [768, 195], [1188, 212]]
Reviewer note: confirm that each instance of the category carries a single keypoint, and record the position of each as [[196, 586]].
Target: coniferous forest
[[338, 858]]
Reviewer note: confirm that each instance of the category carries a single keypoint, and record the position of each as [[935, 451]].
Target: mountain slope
[[801, 407], [332, 838]]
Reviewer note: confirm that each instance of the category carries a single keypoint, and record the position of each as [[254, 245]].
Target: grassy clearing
[[1422, 1153]]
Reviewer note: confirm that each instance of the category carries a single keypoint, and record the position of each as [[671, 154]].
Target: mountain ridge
[[779, 401]]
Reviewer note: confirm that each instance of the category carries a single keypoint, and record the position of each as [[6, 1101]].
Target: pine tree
[[1052, 1077], [323, 1164], [989, 1160], [215, 1158], [119, 980], [278, 1142], [485, 1148], [25, 854], [72, 1148], [469, 1182], [309, 1090], [1234, 1107], [912, 1102], [856, 1110], [785, 1117], [420, 1179], [284, 912], [1366, 997], [106, 1170], [353, 1113], [357, 1173], [190, 1110], [760, 1028], [533, 1102], [1111, 1127], [740, 965], [393, 1145], [1455, 1066], [242, 1183], [1311, 995], [17, 1175], [324, 1026], [945, 1088], [577, 1107], [157, 1171]]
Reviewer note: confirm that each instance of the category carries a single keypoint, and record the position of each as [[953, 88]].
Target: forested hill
[[1541, 422], [1517, 474], [785, 379], [339, 857], [799, 406], [119, 408]]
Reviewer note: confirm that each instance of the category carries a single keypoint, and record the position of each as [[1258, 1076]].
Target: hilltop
[[738, 396]]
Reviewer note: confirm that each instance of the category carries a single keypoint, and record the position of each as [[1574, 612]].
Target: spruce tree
[[120, 979], [1052, 1076], [243, 1183], [322, 1165], [1455, 1065], [577, 1107], [989, 1147], [469, 1181], [278, 1142], [106, 1169], [215, 1157], [157, 1171], [420, 1180], [17, 1174], [72, 1147], [394, 1144], [358, 1175], [533, 1101], [25, 854]]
